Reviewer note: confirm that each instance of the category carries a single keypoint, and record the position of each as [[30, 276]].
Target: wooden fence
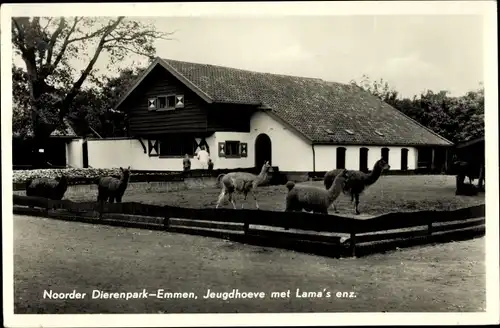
[[319, 230]]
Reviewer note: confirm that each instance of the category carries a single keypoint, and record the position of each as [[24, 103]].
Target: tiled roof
[[318, 109], [63, 130]]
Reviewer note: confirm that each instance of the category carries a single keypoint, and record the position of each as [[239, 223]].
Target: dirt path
[[66, 256]]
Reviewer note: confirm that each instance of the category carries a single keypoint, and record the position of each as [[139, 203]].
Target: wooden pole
[[353, 244], [433, 166], [446, 160], [166, 222], [480, 182]]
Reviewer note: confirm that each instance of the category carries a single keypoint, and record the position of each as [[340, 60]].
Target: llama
[[48, 188], [243, 183], [314, 199], [464, 169], [330, 177], [358, 181], [110, 188], [466, 189]]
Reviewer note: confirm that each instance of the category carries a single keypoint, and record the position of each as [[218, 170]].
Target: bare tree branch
[[89, 36], [64, 46], [128, 49], [53, 39], [44, 30], [20, 33], [133, 37], [76, 86]]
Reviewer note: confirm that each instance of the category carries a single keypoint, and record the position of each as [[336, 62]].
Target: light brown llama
[[242, 183]]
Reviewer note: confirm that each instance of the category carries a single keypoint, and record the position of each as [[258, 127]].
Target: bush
[[85, 176], [73, 174]]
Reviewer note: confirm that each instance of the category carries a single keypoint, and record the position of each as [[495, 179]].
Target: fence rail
[[359, 231]]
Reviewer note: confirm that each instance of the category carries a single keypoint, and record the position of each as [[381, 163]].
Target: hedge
[[75, 175]]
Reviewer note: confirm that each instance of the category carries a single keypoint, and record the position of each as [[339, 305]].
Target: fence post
[[246, 227], [353, 244], [47, 207], [166, 218], [429, 228], [101, 209]]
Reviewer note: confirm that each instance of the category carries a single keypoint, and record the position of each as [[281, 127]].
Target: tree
[[469, 113], [46, 45], [379, 88], [455, 118]]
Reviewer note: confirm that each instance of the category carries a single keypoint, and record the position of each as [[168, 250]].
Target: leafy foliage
[[46, 89], [455, 118]]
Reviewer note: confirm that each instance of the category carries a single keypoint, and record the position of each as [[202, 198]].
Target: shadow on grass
[[328, 246]]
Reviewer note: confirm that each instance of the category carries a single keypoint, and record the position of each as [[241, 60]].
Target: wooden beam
[[433, 165], [446, 160], [143, 145]]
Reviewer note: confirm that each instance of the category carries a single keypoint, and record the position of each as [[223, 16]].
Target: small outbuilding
[[472, 152]]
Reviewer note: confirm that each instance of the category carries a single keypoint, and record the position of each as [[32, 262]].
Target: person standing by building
[[186, 164], [203, 157]]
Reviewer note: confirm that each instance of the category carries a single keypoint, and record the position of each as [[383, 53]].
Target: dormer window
[[349, 131]]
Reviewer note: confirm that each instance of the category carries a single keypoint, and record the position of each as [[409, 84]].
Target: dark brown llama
[[358, 181], [111, 188], [47, 187]]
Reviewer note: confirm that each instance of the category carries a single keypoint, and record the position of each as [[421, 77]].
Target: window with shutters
[[166, 102], [232, 149]]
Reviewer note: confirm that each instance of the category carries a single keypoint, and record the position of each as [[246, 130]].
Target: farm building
[[473, 152], [64, 147], [244, 118]]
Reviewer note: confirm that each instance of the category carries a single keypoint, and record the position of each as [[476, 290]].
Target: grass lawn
[[388, 194], [66, 256]]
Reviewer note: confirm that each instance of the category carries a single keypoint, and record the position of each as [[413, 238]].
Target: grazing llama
[[358, 181], [243, 183], [110, 188], [314, 199], [464, 169], [48, 188]]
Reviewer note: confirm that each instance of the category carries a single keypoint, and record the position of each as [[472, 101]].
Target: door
[[85, 154], [404, 159], [263, 150], [341, 158], [363, 159], [385, 154]]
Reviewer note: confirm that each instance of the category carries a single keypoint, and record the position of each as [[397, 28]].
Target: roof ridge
[[241, 69]]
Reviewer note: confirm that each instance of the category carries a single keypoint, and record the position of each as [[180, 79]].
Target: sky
[[412, 53]]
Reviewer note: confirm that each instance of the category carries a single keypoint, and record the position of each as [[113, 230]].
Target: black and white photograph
[[265, 163]]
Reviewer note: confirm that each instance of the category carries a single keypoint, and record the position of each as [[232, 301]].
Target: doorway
[[85, 154], [363, 159], [263, 150], [404, 159]]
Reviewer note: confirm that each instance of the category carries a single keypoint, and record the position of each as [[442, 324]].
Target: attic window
[[349, 131], [329, 131], [166, 102], [379, 133]]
